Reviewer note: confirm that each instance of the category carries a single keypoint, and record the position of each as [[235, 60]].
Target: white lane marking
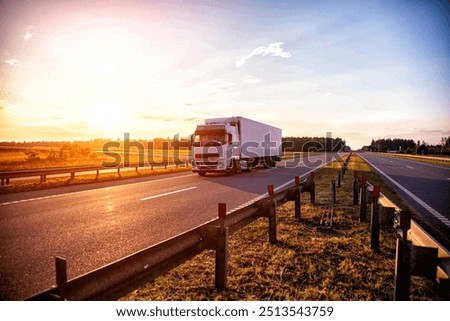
[[87, 191], [410, 167], [168, 193], [435, 213]]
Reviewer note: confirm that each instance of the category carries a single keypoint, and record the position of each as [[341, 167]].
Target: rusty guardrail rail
[[122, 276], [5, 176]]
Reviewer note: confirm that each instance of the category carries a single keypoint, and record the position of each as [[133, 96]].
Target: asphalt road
[[425, 187], [92, 225]]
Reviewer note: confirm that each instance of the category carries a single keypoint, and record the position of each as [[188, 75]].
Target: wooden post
[[313, 188], [375, 221], [333, 191], [272, 216], [363, 203], [222, 250], [339, 178], [405, 224], [61, 276], [355, 188], [402, 282], [298, 199]]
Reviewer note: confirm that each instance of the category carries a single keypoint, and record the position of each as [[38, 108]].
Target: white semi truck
[[234, 144]]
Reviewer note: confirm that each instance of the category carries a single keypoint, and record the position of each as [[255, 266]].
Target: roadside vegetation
[[309, 262], [409, 146], [74, 154]]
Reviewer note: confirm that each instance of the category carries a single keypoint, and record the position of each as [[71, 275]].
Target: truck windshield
[[210, 139]]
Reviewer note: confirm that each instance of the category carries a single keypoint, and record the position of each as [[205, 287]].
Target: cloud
[[28, 33], [249, 79], [12, 62], [273, 50]]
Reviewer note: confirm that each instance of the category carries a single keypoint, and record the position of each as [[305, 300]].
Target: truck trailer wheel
[[269, 163], [234, 168]]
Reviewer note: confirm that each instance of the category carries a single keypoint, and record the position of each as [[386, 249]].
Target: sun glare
[[106, 115]]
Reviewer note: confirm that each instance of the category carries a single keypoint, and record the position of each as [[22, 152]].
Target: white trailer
[[233, 144]]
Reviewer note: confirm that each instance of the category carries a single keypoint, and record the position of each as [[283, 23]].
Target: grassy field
[[307, 263], [17, 158]]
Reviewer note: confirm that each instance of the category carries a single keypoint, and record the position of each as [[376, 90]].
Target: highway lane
[[425, 187], [95, 224]]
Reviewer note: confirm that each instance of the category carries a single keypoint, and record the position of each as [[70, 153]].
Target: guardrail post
[[61, 276], [333, 191], [375, 221], [405, 224], [412, 260], [222, 250], [72, 176], [298, 199], [402, 282], [118, 171], [43, 178], [272, 216], [313, 188], [363, 203], [339, 178], [355, 188]]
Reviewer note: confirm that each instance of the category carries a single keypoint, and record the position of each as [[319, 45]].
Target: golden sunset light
[[82, 70]]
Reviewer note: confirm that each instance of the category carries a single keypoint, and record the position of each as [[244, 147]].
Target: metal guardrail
[[418, 253], [5, 176]]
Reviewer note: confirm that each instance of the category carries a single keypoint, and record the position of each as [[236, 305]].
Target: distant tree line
[[64, 149], [409, 146], [310, 144]]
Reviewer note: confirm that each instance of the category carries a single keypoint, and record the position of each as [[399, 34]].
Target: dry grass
[[307, 263], [15, 158]]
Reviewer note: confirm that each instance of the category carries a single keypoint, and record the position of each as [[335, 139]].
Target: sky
[[363, 70]]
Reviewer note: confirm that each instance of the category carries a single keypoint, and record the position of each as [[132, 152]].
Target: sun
[[106, 115]]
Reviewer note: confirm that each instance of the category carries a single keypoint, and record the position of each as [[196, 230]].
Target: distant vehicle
[[234, 144]]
